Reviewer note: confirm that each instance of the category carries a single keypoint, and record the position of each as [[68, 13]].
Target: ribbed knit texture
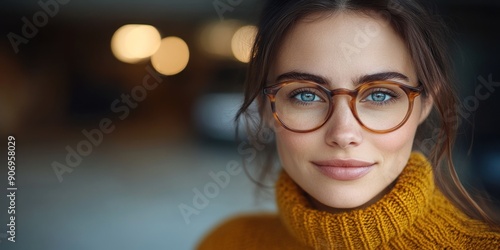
[[413, 215]]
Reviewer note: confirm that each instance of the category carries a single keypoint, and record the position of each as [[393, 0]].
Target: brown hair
[[426, 38]]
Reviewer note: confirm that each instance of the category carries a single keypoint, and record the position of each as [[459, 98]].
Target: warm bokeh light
[[172, 56], [242, 41], [132, 43], [215, 38]]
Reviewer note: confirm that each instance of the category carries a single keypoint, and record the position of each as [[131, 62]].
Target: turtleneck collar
[[364, 228]]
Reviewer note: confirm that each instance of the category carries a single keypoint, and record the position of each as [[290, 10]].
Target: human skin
[[316, 45]]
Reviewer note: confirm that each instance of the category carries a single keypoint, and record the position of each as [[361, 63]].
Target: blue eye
[[379, 96], [307, 97]]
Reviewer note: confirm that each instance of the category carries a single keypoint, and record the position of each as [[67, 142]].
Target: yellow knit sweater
[[413, 215]]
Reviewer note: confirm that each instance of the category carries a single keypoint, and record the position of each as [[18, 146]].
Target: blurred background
[[122, 113]]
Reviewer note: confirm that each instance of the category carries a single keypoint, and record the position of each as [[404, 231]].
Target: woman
[[345, 85]]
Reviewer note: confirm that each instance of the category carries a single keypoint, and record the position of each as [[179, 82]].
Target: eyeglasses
[[304, 106]]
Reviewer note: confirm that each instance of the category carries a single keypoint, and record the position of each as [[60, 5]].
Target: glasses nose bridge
[[350, 103], [343, 91]]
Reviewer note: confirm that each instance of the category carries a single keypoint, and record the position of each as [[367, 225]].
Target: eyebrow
[[381, 76], [294, 75]]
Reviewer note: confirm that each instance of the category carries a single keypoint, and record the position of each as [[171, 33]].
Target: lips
[[344, 170]]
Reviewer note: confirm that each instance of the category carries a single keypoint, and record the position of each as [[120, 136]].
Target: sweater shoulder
[[447, 225], [248, 232]]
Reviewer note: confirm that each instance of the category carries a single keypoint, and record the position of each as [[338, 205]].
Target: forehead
[[342, 46]]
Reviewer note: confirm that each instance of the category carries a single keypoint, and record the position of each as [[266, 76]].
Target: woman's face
[[342, 165]]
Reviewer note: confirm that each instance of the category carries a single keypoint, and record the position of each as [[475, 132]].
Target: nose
[[343, 130]]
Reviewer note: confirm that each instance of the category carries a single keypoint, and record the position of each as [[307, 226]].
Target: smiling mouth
[[344, 170]]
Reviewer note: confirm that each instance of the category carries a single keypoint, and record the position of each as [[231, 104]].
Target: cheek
[[293, 147], [287, 144], [401, 140]]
